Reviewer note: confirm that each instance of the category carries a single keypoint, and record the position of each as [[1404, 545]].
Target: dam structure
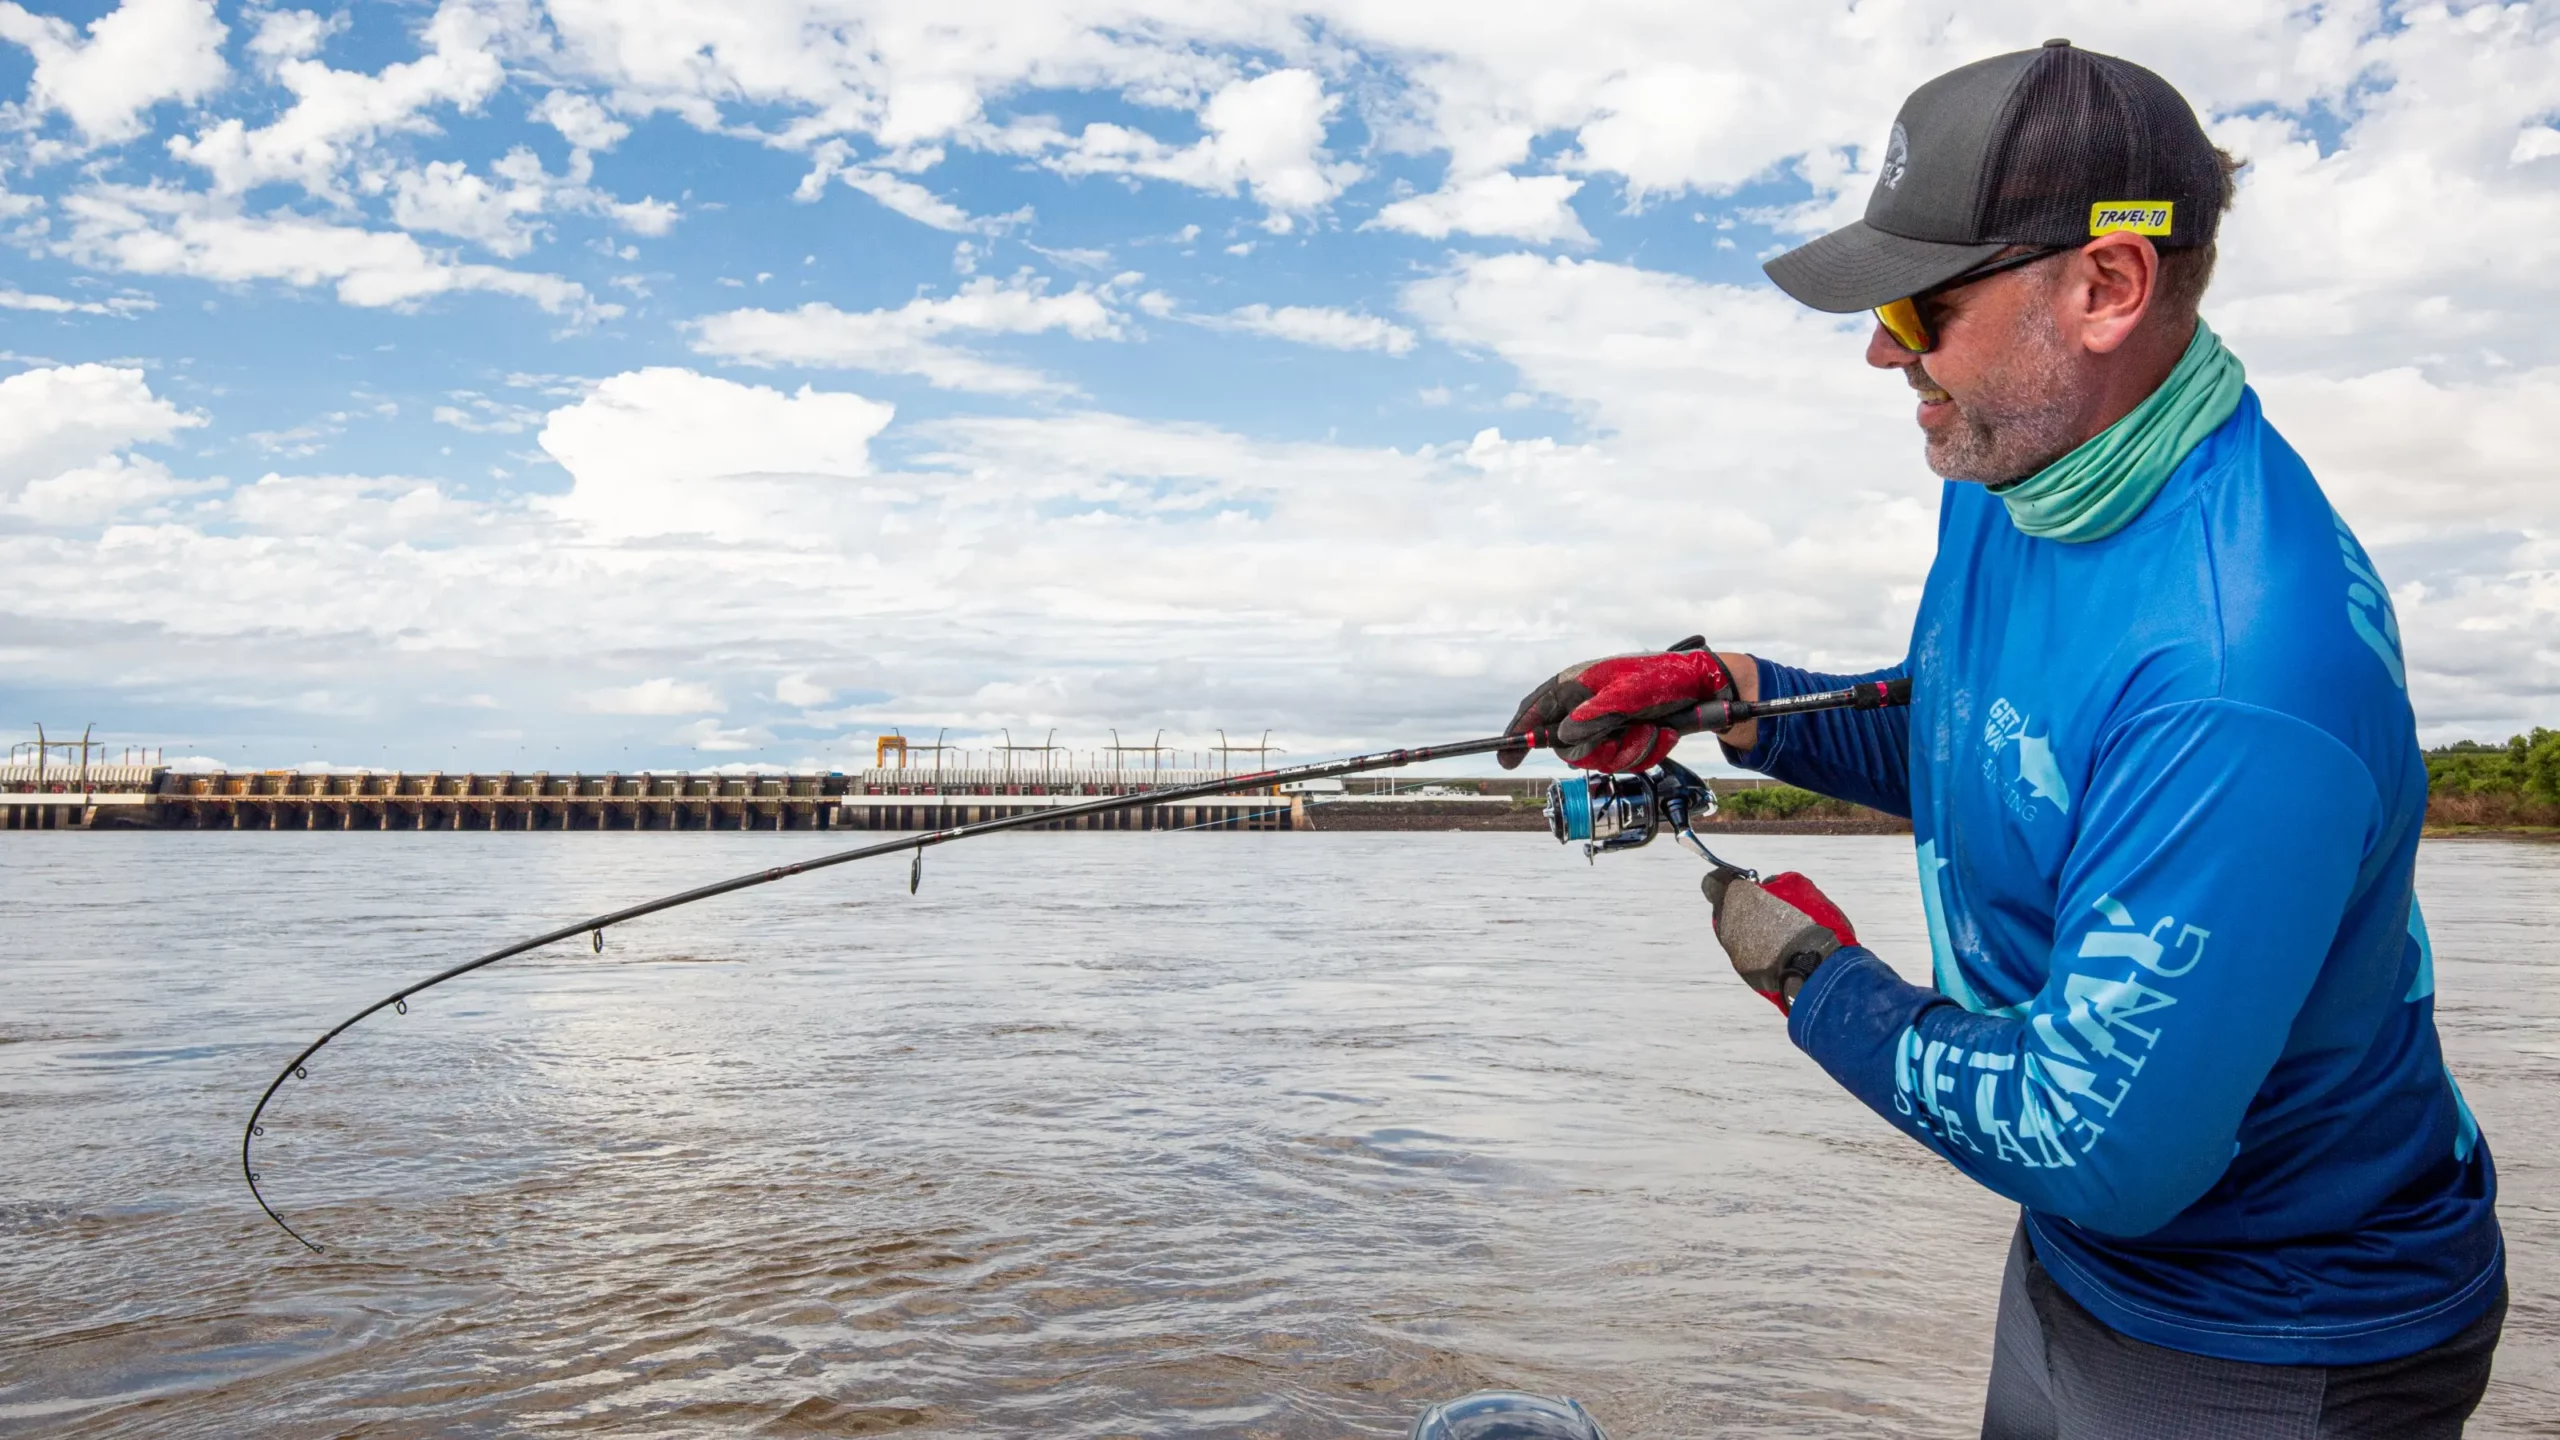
[[98, 796], [926, 799], [50, 784]]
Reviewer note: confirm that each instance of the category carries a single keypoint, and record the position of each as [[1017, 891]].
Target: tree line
[[2518, 783]]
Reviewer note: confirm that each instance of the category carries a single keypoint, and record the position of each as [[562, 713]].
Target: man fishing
[[2165, 787]]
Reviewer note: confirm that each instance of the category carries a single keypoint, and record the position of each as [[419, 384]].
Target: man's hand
[[1600, 711], [1776, 931]]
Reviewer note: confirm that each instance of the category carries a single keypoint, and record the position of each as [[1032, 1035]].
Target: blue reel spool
[[1569, 809], [1604, 812], [1621, 812]]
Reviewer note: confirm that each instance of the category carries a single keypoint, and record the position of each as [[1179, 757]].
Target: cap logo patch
[[2141, 217], [1897, 158]]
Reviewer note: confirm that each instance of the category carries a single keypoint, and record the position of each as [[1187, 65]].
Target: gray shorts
[[2058, 1371]]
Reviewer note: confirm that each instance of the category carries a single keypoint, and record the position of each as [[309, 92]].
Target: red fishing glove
[[1777, 931], [1600, 712]]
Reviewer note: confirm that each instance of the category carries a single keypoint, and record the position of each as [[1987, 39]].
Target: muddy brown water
[[1099, 1135]]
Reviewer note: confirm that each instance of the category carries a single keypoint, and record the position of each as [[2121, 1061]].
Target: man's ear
[[2114, 280]]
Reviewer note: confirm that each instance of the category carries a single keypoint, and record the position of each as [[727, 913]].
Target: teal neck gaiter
[[2097, 489]]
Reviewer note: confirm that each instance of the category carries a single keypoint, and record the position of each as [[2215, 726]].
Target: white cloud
[[1057, 570], [1709, 98], [1816, 487], [1535, 208], [645, 216], [709, 735], [1706, 98], [662, 696], [502, 216], [903, 75], [478, 414], [1331, 328], [2450, 485], [140, 54], [292, 35], [446, 198], [580, 120], [64, 431], [1082, 257], [2416, 236], [1265, 134], [801, 691], [913, 339], [126, 305], [669, 451], [337, 113], [832, 161], [109, 488], [362, 510], [171, 232], [54, 418], [919, 204], [301, 441]]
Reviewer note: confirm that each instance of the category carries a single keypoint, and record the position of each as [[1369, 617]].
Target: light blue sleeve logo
[[2369, 606], [2039, 773], [1943, 965], [2129, 940], [2466, 1127], [2042, 776], [2466, 1130], [2423, 984], [1942, 950]]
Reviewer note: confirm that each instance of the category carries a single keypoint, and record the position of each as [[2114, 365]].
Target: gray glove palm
[[1777, 931]]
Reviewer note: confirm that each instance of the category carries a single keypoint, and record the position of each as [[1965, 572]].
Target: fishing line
[[1225, 820], [1714, 715]]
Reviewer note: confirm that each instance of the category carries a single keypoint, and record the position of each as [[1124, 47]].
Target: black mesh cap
[[2052, 146]]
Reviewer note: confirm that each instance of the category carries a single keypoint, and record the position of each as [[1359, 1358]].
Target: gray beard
[[2023, 416]]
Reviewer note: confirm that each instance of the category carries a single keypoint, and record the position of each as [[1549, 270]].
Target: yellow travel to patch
[[2142, 217]]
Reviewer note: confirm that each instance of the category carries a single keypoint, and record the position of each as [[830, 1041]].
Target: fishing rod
[[1629, 815]]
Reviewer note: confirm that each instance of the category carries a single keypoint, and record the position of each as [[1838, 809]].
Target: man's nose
[[1886, 353]]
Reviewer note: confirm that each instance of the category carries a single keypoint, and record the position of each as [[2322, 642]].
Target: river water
[[1099, 1135]]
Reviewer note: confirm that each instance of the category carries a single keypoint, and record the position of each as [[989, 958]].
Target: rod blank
[[1713, 716]]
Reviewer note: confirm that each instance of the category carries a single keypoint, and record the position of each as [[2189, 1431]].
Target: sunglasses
[[1903, 321]]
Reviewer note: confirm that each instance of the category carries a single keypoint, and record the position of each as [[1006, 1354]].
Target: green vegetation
[[2528, 765], [2515, 786], [1786, 802], [1767, 802], [2512, 785]]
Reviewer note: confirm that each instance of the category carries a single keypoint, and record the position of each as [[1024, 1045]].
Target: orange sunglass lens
[[1901, 320]]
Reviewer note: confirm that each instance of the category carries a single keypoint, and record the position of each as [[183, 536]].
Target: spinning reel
[[1622, 812]]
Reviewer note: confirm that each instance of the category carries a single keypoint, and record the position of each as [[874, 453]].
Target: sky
[[622, 384]]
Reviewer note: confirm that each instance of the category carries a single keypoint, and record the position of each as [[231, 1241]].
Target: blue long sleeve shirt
[[2166, 794]]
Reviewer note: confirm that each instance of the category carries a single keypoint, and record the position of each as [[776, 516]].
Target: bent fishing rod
[[1712, 715]]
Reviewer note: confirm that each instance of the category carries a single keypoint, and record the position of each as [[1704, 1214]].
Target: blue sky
[[432, 384]]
